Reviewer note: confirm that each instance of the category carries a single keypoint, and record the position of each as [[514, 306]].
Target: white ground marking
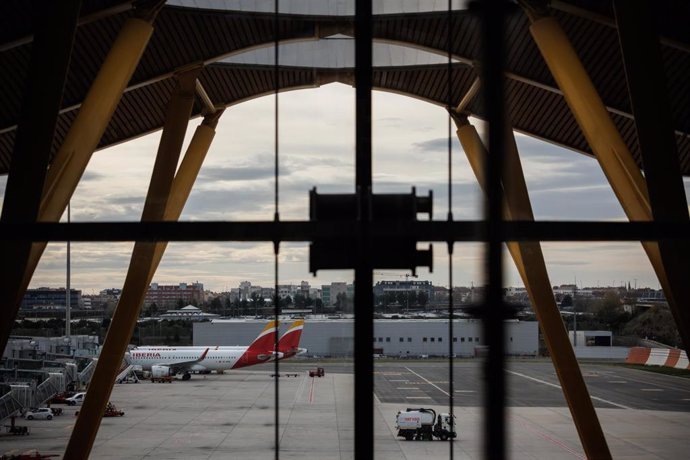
[[407, 388], [617, 381], [418, 397], [433, 385], [465, 391], [651, 389], [398, 380], [544, 382]]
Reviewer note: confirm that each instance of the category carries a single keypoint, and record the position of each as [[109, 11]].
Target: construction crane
[[406, 275], [408, 287]]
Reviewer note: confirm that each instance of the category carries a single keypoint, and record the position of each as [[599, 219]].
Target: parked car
[[75, 400], [40, 413], [61, 397]]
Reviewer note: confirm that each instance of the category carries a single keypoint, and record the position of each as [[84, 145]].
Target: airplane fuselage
[[215, 360]]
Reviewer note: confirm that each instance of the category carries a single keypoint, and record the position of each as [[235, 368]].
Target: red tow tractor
[[110, 411], [318, 372]]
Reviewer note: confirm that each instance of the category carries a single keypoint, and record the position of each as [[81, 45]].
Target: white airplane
[[163, 361], [167, 361]]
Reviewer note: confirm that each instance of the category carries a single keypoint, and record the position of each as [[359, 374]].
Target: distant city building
[[285, 290], [329, 292], [315, 293], [246, 290], [190, 312], [46, 298], [102, 299], [394, 287], [170, 295], [112, 292], [651, 295], [570, 289]]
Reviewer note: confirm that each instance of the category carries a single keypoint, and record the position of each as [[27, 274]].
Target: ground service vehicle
[[424, 424], [318, 372], [112, 411], [40, 413], [61, 398], [75, 400]]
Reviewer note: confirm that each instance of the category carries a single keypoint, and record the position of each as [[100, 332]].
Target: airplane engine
[[160, 371]]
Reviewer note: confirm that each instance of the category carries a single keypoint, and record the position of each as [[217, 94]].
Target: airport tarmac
[[231, 416]]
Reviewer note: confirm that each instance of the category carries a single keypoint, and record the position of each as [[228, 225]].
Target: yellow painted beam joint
[[591, 115], [93, 117]]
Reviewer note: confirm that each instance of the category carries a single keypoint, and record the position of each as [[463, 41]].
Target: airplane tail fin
[[261, 349], [289, 341], [265, 342]]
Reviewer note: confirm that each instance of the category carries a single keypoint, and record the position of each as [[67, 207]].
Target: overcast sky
[[317, 149]]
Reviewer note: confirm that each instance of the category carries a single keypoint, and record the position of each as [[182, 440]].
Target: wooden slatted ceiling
[[16, 16], [532, 111], [11, 86], [185, 36]]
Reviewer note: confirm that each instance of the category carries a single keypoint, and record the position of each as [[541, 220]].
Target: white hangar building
[[400, 337]]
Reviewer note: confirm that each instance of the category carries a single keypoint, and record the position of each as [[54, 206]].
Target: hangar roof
[[221, 39]]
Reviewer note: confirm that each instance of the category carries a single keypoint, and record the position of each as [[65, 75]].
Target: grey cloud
[[240, 173], [210, 204], [133, 200], [390, 121], [108, 208], [91, 176], [435, 145], [582, 205], [569, 263]]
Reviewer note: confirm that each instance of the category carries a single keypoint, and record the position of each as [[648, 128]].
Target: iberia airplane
[[163, 361], [166, 361]]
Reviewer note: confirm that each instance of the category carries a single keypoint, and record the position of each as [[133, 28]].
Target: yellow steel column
[[644, 70], [185, 177], [529, 261], [611, 151], [88, 127], [93, 117], [137, 280]]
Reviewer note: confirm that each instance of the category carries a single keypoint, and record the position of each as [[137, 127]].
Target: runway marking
[[651, 389], [427, 381], [407, 388], [418, 397], [617, 381], [311, 391], [554, 440], [465, 391], [398, 380], [544, 382]]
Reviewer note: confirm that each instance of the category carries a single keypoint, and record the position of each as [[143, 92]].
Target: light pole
[[574, 317], [68, 300]]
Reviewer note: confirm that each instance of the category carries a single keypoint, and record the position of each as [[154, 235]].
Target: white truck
[[424, 424]]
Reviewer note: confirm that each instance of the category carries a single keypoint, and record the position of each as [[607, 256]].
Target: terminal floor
[[231, 416]]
